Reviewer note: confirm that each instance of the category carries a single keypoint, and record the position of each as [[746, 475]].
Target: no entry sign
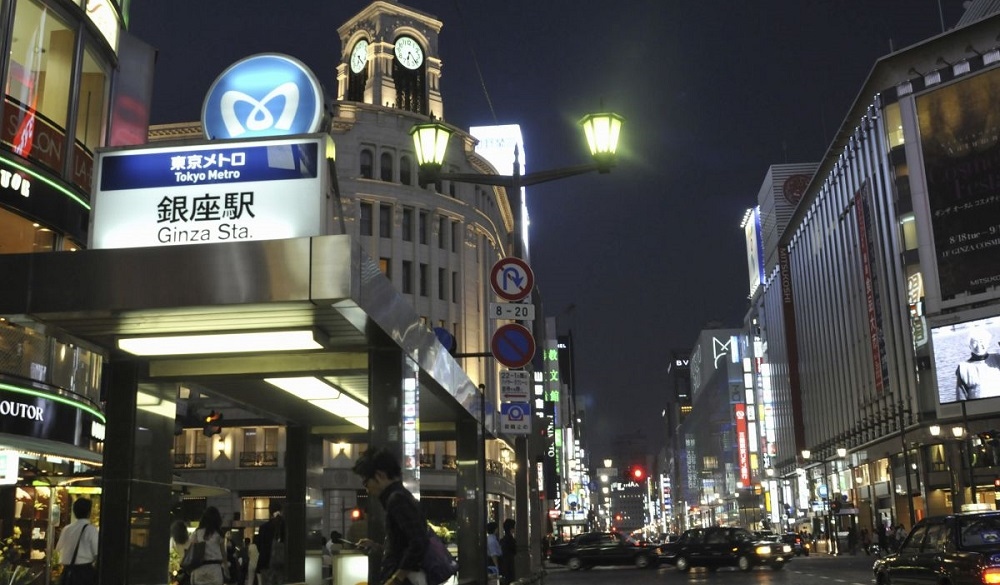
[[513, 345]]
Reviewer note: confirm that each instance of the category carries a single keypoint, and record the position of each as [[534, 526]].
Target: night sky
[[636, 262]]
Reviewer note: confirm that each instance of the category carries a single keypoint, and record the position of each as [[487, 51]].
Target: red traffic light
[[638, 473], [996, 484]]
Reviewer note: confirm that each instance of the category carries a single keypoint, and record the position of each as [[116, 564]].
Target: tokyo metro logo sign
[[263, 95]]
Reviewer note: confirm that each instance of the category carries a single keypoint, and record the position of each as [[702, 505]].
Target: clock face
[[359, 56], [409, 53]]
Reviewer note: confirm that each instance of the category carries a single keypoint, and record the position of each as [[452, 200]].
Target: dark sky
[[713, 92]]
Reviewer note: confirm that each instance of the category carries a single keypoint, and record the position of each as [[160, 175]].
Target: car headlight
[[787, 548], [764, 550]]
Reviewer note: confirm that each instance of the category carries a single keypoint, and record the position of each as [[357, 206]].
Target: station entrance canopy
[[325, 284]]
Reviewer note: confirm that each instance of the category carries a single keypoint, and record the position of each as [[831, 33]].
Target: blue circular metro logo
[[263, 95]]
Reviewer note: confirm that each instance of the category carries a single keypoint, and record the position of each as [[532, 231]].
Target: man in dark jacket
[[405, 525], [270, 543]]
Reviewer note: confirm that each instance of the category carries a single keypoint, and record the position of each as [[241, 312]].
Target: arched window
[[385, 164], [405, 172], [367, 170]]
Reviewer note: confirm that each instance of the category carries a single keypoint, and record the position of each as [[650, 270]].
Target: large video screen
[[967, 360]]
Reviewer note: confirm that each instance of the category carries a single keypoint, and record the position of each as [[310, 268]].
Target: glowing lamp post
[[431, 140]]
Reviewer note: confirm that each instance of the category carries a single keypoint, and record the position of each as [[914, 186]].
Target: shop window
[[22, 236], [385, 166], [91, 109], [37, 84], [367, 163]]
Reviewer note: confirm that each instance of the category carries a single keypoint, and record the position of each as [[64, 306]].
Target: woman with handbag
[[77, 547], [213, 567]]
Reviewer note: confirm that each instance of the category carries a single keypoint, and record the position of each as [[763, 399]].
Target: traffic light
[[638, 474], [213, 424], [835, 505]]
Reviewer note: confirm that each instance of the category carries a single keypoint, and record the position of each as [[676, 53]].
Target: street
[[815, 569]]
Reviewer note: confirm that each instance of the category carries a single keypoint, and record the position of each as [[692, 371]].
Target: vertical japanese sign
[[742, 445]]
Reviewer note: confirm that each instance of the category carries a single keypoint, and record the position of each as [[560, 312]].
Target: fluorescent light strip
[[220, 343], [322, 395], [56, 398]]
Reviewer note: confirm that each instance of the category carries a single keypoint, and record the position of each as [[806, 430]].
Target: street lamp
[[431, 142]]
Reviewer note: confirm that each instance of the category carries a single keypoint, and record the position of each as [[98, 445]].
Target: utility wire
[[475, 59]]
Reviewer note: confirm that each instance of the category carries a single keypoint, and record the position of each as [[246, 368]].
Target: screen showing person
[[966, 361]]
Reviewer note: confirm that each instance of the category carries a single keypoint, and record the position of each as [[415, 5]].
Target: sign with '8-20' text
[[211, 192]]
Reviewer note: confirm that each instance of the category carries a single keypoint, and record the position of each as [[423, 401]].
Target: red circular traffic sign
[[512, 279], [513, 345]]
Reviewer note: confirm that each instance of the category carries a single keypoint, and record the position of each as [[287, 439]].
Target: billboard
[[755, 248], [960, 137], [967, 359], [211, 192]]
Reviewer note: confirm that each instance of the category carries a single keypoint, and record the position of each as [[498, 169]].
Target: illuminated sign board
[[755, 248], [27, 412], [966, 360], [211, 192], [263, 95], [497, 144], [742, 446]]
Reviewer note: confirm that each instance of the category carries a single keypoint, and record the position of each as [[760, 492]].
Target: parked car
[[959, 549], [721, 546], [799, 545], [603, 548]]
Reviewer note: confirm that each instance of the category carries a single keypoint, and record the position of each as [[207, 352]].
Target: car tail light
[[991, 575]]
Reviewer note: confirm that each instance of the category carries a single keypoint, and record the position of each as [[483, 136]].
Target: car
[[592, 549], [799, 545], [958, 549], [722, 546]]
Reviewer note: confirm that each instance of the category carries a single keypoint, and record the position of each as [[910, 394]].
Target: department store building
[[871, 289]]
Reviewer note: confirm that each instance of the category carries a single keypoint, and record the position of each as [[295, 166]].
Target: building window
[[423, 227], [365, 228], [367, 172], [423, 279], [385, 166], [407, 226], [442, 283], [407, 277], [385, 220], [455, 238], [384, 264], [41, 55], [454, 287], [405, 170], [442, 228], [451, 188]]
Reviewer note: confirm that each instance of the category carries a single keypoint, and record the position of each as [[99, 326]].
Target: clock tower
[[389, 57]]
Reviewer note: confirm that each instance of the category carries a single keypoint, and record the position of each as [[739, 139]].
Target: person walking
[[493, 552], [271, 547], [252, 555], [214, 567], [508, 546], [406, 537], [77, 546]]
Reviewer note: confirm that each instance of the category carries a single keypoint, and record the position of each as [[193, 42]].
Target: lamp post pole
[[430, 141]]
